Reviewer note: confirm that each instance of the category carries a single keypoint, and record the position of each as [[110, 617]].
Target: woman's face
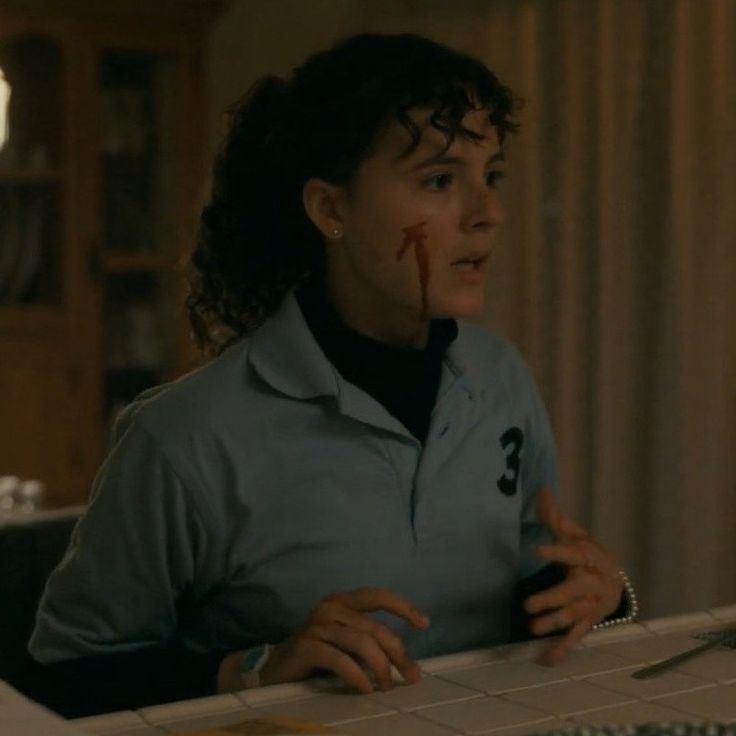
[[417, 231]]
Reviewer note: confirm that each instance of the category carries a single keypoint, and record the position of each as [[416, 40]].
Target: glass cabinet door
[[31, 171], [136, 98], [138, 161], [100, 137]]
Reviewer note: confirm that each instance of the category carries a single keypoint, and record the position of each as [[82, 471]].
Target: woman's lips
[[471, 271]]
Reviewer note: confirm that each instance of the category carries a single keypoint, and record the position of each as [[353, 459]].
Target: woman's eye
[[438, 181], [494, 177]]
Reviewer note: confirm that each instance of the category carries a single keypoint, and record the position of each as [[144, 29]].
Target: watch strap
[[251, 664]]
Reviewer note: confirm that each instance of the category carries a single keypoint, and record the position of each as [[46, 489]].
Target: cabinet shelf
[[30, 319], [30, 176], [97, 180], [122, 262]]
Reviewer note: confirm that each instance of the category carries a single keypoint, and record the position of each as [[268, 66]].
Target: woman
[[358, 478]]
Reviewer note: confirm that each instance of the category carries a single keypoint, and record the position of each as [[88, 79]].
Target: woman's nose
[[485, 211]]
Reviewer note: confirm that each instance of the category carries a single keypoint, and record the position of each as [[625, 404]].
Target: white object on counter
[[15, 517], [8, 487], [20, 716]]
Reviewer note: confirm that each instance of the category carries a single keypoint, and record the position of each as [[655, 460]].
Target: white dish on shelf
[[29, 248]]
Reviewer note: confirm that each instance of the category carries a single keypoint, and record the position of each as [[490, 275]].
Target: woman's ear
[[324, 205]]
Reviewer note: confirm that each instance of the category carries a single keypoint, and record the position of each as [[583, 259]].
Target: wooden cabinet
[[101, 170]]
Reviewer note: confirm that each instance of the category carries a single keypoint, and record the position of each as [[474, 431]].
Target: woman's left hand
[[590, 591]]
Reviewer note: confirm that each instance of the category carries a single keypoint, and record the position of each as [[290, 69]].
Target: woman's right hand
[[340, 637]]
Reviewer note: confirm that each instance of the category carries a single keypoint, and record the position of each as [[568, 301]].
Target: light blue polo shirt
[[235, 498]]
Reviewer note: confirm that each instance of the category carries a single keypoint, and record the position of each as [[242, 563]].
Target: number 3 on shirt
[[512, 440]]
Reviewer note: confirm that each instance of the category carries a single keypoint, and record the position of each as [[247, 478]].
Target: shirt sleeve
[[539, 470], [75, 688], [131, 556]]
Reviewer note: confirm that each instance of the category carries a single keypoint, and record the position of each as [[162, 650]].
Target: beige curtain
[[618, 272], [617, 269]]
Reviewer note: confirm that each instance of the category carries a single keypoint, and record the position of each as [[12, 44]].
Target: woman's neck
[[361, 313], [410, 334]]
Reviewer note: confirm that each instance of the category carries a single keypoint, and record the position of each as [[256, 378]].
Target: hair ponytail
[[247, 255]]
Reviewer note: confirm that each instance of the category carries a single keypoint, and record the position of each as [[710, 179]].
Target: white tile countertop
[[500, 691], [22, 717]]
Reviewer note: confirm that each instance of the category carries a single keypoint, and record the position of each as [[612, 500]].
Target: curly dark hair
[[255, 240]]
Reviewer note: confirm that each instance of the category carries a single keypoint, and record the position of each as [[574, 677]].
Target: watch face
[[250, 658]]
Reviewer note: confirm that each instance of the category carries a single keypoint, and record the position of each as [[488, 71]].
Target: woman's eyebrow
[[441, 157]]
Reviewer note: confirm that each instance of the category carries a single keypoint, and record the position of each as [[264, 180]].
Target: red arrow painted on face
[[415, 235]]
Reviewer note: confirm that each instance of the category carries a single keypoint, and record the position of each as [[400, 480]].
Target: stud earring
[[336, 233]]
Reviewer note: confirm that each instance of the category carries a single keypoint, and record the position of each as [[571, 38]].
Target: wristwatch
[[251, 665]]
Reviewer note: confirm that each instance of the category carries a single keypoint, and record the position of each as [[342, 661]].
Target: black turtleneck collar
[[404, 380]]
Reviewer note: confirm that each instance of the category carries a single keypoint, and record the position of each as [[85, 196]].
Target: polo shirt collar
[[286, 355]]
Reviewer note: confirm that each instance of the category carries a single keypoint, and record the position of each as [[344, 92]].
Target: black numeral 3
[[512, 440]]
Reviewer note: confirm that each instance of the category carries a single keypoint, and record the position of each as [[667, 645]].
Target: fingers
[[586, 556], [380, 599], [560, 525], [571, 528], [389, 642], [321, 655], [361, 646], [563, 618], [562, 594], [339, 621], [571, 554], [559, 650]]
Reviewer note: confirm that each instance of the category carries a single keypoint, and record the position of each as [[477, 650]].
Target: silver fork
[[723, 637]]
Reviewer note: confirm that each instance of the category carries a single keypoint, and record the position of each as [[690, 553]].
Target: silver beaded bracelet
[[633, 605]]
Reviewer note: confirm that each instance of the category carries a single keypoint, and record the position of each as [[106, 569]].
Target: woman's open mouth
[[470, 264]]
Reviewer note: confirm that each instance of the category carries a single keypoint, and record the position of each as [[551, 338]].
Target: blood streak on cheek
[[415, 235]]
